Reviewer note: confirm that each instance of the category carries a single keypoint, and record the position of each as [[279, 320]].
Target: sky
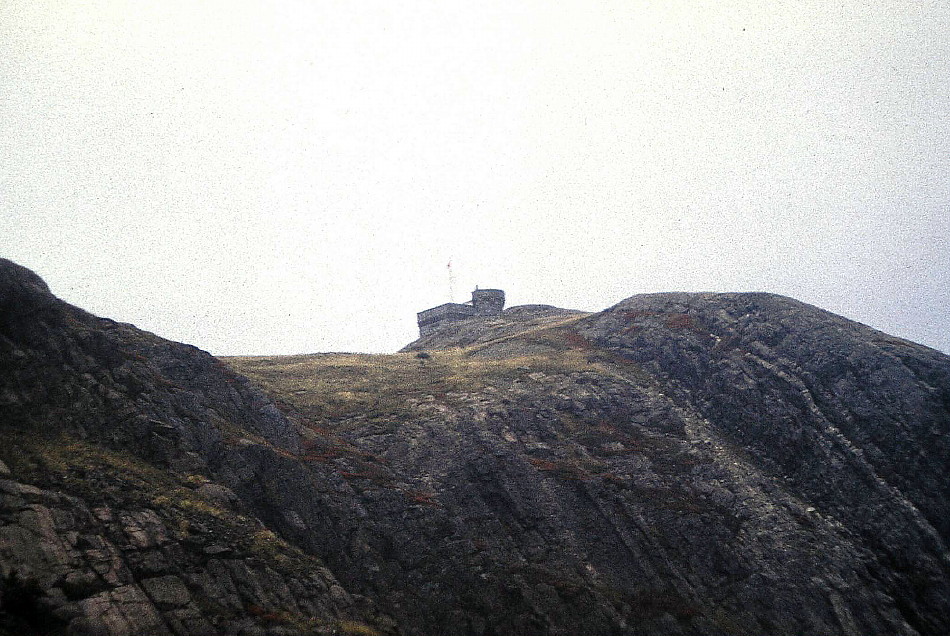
[[289, 177]]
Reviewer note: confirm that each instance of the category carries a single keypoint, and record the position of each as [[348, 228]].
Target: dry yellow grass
[[336, 386], [326, 388], [333, 391]]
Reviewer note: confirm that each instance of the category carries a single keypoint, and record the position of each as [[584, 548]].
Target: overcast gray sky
[[294, 176]]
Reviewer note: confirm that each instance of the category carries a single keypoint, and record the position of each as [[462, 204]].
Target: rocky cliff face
[[694, 464], [122, 456]]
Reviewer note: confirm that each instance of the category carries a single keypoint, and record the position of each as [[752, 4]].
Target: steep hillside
[[682, 464], [131, 474]]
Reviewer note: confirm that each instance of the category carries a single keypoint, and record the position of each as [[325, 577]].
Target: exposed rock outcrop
[[682, 464], [122, 456]]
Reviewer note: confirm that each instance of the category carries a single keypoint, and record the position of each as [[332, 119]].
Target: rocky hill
[[682, 464]]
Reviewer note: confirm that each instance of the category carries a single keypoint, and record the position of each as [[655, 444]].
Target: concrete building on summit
[[485, 302]]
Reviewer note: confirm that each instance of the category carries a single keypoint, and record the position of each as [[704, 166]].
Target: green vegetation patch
[[96, 473]]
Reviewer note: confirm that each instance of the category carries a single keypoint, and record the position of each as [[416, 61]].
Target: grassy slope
[[336, 396], [329, 389]]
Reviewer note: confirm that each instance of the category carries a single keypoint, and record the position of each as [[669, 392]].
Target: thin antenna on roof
[[451, 283]]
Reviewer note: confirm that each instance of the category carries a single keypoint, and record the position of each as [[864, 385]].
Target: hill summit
[[677, 464]]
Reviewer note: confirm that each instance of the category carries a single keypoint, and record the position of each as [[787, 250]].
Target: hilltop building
[[485, 302]]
